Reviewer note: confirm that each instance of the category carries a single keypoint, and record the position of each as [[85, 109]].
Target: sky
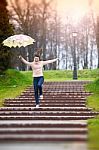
[[75, 8], [73, 4]]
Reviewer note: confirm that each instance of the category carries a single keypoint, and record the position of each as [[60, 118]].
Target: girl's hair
[[36, 55]]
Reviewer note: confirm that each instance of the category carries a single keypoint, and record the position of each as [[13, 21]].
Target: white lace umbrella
[[18, 41]]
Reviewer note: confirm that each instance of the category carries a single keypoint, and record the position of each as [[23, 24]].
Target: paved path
[[44, 146], [61, 118]]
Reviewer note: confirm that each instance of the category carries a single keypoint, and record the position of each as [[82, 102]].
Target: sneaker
[[41, 96], [37, 106]]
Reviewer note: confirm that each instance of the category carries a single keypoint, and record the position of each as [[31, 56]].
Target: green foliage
[[68, 74], [93, 134], [12, 83], [93, 124], [58, 75], [11, 92], [13, 77], [93, 87], [62, 75], [93, 100], [86, 73], [5, 31]]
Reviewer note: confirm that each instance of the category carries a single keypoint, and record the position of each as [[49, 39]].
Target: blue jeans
[[38, 82]]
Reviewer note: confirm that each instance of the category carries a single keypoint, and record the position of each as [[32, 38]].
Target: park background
[[52, 24]]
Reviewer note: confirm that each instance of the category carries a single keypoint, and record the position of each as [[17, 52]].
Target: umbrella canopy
[[18, 41]]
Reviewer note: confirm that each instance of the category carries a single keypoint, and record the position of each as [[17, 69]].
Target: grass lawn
[[93, 100], [93, 127], [10, 92], [93, 124], [12, 83]]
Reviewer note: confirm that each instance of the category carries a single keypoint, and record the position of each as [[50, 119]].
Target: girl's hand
[[20, 57]]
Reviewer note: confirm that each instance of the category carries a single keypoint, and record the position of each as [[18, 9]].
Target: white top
[[37, 67]]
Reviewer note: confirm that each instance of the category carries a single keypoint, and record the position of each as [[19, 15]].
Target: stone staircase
[[62, 115]]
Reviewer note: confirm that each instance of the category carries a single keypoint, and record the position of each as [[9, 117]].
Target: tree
[[45, 14], [42, 22], [25, 20], [53, 39], [5, 31], [32, 20], [97, 38], [96, 27]]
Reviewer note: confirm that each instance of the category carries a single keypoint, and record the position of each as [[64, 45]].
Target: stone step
[[43, 124], [63, 89], [63, 83], [44, 102], [48, 98], [64, 93], [53, 97], [49, 130], [60, 84], [63, 116], [43, 137], [48, 113], [58, 88], [45, 105], [45, 109], [31, 117], [73, 82], [67, 82]]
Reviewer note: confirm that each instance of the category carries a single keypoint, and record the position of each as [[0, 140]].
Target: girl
[[38, 78]]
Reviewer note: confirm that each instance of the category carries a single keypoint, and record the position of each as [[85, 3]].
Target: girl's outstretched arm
[[24, 61], [49, 61]]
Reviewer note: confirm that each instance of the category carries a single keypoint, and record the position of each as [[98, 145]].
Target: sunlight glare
[[77, 14], [75, 9]]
